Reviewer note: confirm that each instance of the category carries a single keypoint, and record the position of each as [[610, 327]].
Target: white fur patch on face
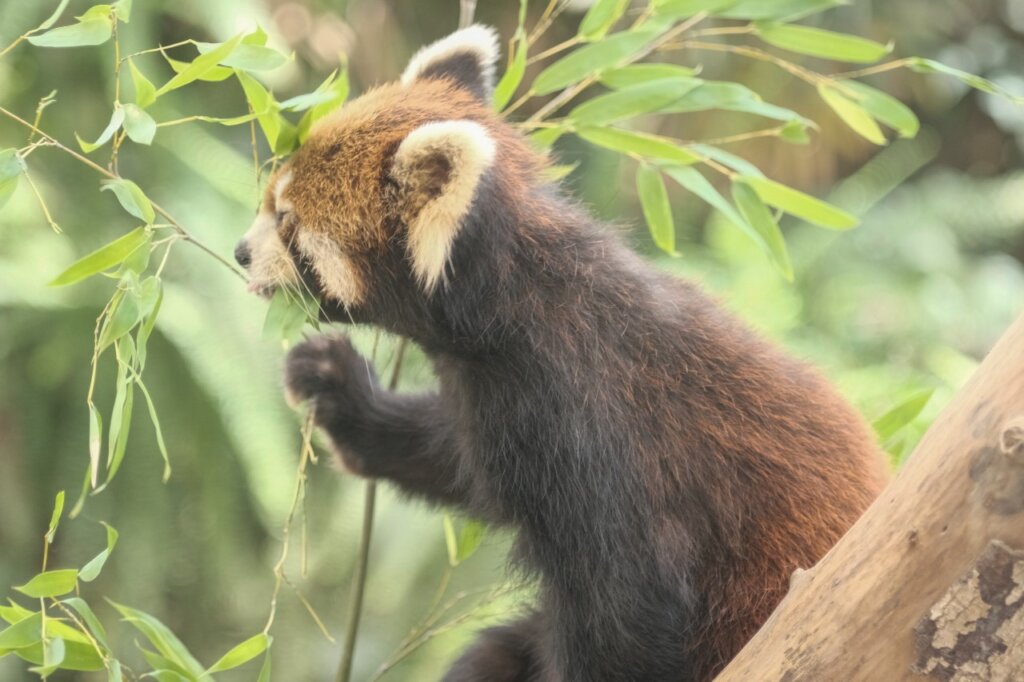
[[280, 203], [477, 40], [271, 265], [338, 277], [469, 151]]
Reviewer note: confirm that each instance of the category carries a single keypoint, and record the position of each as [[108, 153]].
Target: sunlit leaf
[[132, 198], [145, 91], [777, 10], [853, 114], [650, 188], [248, 57], [96, 628], [265, 669], [903, 414], [243, 653], [288, 313], [52, 19], [201, 65], [761, 219], [104, 258], [50, 583], [92, 28], [635, 74], [79, 656], [116, 119], [11, 168], [691, 180], [338, 87], [632, 101], [95, 443], [92, 569], [817, 42], [23, 633], [213, 75], [921, 65], [263, 105], [58, 509], [728, 159], [641, 144], [123, 10], [470, 537], [795, 132], [512, 77], [601, 16], [801, 205], [560, 171], [54, 651], [885, 108], [591, 59], [684, 9], [139, 125], [161, 637], [544, 138]]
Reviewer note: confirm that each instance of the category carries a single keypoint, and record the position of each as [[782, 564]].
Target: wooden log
[[929, 583]]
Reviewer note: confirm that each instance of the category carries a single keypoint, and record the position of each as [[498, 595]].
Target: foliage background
[[908, 301]]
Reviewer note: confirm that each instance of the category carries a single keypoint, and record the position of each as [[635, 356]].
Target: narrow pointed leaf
[[248, 57], [470, 537], [601, 16], [92, 569], [50, 584], [691, 180], [642, 144], [591, 59], [94, 30], [632, 101], [96, 628], [903, 414], [801, 205], [132, 198], [684, 9], [58, 509], [451, 541], [200, 65], [52, 19], [635, 74], [211, 75], [104, 258], [243, 653], [853, 114], [23, 633], [139, 125], [161, 637], [921, 65], [763, 222], [817, 42], [650, 187], [116, 120], [145, 91], [11, 168], [885, 108], [512, 77]]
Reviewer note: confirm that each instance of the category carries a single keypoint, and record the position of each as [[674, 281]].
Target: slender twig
[[185, 234], [42, 203], [359, 578], [743, 137], [873, 70], [560, 47]]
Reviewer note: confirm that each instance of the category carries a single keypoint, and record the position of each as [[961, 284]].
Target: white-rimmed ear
[[438, 167], [467, 57]]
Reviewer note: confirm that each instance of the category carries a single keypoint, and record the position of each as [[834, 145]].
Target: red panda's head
[[377, 197]]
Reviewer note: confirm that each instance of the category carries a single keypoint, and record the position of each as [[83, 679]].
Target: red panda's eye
[[282, 216]]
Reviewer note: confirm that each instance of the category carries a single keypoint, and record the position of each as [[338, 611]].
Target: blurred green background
[[911, 300]]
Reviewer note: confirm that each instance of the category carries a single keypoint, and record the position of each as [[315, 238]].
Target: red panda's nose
[[243, 254]]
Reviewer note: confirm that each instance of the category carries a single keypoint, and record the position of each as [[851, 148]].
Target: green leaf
[[338, 88], [120, 418], [263, 105], [95, 443], [50, 584], [591, 59], [635, 74], [642, 144], [201, 65], [54, 651], [801, 205], [684, 9], [885, 108], [93, 28], [265, 669], [470, 537], [817, 42], [450, 541], [601, 16], [650, 187], [92, 569], [560, 171], [213, 75], [921, 65], [795, 132], [23, 633], [77, 655], [545, 138], [691, 180], [54, 17], [853, 114], [132, 198], [737, 163], [116, 119], [513, 75], [243, 653], [248, 57], [632, 101], [123, 10], [288, 313], [777, 10], [161, 444], [145, 91], [139, 125], [93, 623], [58, 509], [122, 318], [161, 637], [11, 167], [903, 414], [104, 258], [151, 301], [761, 219], [167, 676], [114, 671]]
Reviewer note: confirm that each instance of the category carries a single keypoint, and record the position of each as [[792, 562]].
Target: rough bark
[[929, 584]]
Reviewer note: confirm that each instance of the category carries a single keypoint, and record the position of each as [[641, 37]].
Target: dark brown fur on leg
[[501, 654]]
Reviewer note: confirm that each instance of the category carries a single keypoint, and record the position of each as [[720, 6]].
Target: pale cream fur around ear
[[439, 166], [481, 42]]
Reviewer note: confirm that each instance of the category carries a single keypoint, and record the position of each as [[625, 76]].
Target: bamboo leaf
[[801, 205], [161, 637], [132, 198], [885, 108], [903, 414], [92, 569], [684, 9], [248, 57], [54, 17], [94, 624], [123, 10], [58, 509], [601, 16], [450, 541], [817, 42], [470, 537], [650, 187], [50, 584], [777, 10], [513, 76], [139, 125], [592, 59], [635, 74], [761, 219], [145, 91], [213, 75], [11, 168], [853, 114], [691, 180], [92, 28], [736, 163], [243, 653], [632, 101], [116, 120], [338, 86], [95, 443], [642, 144], [24, 633], [921, 65], [200, 65], [103, 258]]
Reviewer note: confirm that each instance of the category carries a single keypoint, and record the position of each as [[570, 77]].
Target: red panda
[[664, 469]]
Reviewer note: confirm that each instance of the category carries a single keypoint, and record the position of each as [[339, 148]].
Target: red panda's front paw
[[330, 373]]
